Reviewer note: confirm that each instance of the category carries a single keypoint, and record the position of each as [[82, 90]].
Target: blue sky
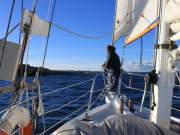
[[66, 51]]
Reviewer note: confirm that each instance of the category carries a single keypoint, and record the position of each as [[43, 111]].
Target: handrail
[[90, 103], [92, 89], [57, 90], [47, 93], [20, 103], [175, 109], [131, 73], [91, 92], [57, 108], [73, 112], [64, 119], [176, 97], [135, 74], [103, 91], [141, 90], [137, 89]]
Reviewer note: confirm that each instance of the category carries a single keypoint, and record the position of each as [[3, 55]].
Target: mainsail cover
[[10, 60], [39, 27], [134, 18]]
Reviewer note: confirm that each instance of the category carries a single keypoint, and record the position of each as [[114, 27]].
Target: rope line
[[103, 91], [49, 9], [135, 74], [92, 89], [19, 74], [48, 36], [176, 97], [73, 113], [60, 107], [95, 37], [64, 119], [10, 31], [7, 30], [57, 108], [47, 93], [20, 32], [81, 35], [176, 109], [133, 88]]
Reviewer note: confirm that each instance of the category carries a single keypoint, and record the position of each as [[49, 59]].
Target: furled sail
[[134, 18], [10, 60], [173, 17], [38, 26]]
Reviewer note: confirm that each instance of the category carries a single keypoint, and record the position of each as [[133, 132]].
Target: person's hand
[[103, 65]]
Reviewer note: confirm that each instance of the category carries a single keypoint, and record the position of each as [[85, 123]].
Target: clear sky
[[66, 51]]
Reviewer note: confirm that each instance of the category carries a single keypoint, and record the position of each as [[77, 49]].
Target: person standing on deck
[[112, 67]]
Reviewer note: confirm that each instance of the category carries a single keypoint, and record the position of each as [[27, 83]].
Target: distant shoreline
[[31, 71]]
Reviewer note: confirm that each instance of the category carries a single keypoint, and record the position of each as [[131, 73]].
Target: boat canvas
[[39, 27], [10, 60]]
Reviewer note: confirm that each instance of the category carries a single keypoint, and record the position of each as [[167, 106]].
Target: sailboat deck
[[174, 126]]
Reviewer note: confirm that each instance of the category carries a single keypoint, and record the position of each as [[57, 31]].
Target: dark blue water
[[55, 100]]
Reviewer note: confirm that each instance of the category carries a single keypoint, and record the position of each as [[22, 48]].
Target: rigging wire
[[27, 58], [20, 33], [20, 72], [81, 35], [65, 118], [7, 30], [122, 58], [141, 51], [47, 41], [49, 9], [10, 31], [70, 115], [95, 37]]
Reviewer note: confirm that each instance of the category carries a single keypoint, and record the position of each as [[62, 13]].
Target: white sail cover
[[134, 18], [10, 60], [39, 27], [172, 16], [175, 37], [113, 125]]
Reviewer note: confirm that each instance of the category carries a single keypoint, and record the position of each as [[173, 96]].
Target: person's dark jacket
[[113, 63]]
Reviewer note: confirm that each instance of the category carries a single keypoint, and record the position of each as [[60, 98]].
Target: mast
[[114, 25], [163, 90], [19, 73]]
